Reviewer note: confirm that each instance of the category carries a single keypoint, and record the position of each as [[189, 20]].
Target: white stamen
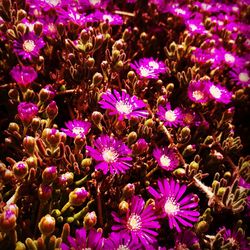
[[124, 107], [171, 207], [134, 222], [215, 91], [165, 160], [109, 155], [29, 45], [170, 115]]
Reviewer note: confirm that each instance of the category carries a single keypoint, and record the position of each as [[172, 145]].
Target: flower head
[[104, 16], [219, 93], [112, 154], [198, 91], [76, 127], [121, 241], [186, 240], [23, 75], [166, 158], [27, 111], [148, 68], [28, 45], [241, 77], [123, 105], [170, 117], [84, 239], [176, 207], [140, 222]]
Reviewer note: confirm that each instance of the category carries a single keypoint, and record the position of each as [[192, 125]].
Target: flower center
[[122, 247], [229, 58], [109, 155], [244, 77], [110, 18], [215, 92], [144, 71], [171, 207], [153, 65], [180, 11], [78, 130], [52, 28], [134, 222], [53, 2], [29, 45], [123, 107], [193, 27], [188, 118], [197, 95], [165, 161], [170, 115]]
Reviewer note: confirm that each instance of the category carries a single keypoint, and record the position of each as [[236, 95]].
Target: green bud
[[132, 137]]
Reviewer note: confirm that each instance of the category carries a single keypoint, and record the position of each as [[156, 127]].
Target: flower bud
[[84, 36], [66, 179], [97, 78], [90, 220], [52, 110], [49, 174], [20, 169], [202, 227], [79, 142], [129, 190], [27, 111], [132, 137], [47, 225], [38, 28], [209, 140], [35, 124], [29, 144], [149, 123], [46, 93], [52, 136], [14, 94], [185, 133], [90, 62], [179, 172], [8, 219], [13, 127], [119, 65], [21, 27], [141, 146], [32, 162], [170, 87], [21, 14], [189, 150], [44, 192], [86, 162], [131, 76], [194, 166], [78, 196], [123, 207]]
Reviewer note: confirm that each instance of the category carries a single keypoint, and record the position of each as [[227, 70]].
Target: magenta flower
[[176, 207], [113, 155], [171, 118], [198, 91], [219, 93], [100, 16], [84, 239], [241, 77], [186, 240], [72, 15], [28, 46], [190, 118], [76, 128], [140, 222], [121, 241], [195, 26], [27, 111], [23, 75], [166, 158], [148, 68], [123, 105]]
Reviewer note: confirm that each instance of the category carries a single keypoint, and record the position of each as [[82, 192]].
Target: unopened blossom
[[28, 45], [149, 68], [219, 93], [76, 128], [179, 209], [27, 111], [84, 239], [111, 154], [23, 75], [123, 105], [170, 117], [166, 158], [198, 91], [140, 222]]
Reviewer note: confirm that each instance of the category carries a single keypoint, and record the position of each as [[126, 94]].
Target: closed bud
[[119, 66], [78, 196], [185, 133], [21, 14], [194, 166], [131, 76], [11, 33], [202, 227], [90, 220], [126, 34], [52, 110], [29, 144], [79, 142], [20, 169], [21, 27], [129, 190], [84, 36], [98, 40], [47, 225], [47, 93], [86, 162], [38, 28], [97, 78], [90, 62], [49, 174], [13, 127], [123, 207], [143, 36], [44, 192], [149, 123], [179, 172], [65, 179], [35, 123], [32, 162], [141, 146], [52, 136], [96, 117], [132, 137], [189, 150], [13, 94], [8, 220], [209, 140]]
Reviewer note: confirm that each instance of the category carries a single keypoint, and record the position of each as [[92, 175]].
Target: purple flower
[[84, 239], [27, 111], [198, 91], [121, 241], [72, 15], [28, 46], [23, 75], [100, 16], [186, 240], [190, 118], [148, 68], [140, 222], [171, 118], [123, 105], [219, 93], [241, 77], [175, 206], [76, 128], [166, 158], [195, 26], [112, 154]]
